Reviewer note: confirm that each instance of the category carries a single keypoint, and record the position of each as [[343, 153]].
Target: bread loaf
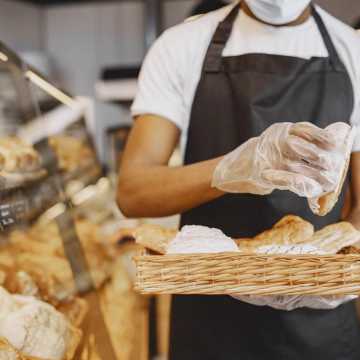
[[36, 328]]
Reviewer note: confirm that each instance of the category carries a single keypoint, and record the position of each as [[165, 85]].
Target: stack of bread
[[33, 266], [32, 328], [38, 252], [20, 162], [291, 233], [291, 236]]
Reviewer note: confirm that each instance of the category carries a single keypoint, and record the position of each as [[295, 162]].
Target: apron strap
[[333, 54], [212, 62], [213, 58]]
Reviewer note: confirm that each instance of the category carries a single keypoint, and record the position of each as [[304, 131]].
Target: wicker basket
[[233, 273]]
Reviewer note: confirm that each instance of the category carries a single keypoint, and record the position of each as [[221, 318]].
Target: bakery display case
[[65, 283], [45, 145]]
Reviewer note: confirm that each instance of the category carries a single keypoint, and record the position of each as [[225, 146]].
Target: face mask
[[277, 12]]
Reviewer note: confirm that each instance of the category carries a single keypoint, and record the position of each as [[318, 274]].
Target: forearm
[[155, 191]]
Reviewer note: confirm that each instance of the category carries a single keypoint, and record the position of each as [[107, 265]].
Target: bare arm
[[354, 214], [147, 186]]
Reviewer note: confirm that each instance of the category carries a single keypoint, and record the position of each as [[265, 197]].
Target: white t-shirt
[[171, 70]]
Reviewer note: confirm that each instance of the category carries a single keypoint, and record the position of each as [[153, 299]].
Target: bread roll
[[289, 230], [334, 237], [154, 237]]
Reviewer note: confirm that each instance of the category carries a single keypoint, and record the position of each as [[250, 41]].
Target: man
[[218, 82]]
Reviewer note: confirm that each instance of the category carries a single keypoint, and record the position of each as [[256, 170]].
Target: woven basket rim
[[219, 255], [248, 274]]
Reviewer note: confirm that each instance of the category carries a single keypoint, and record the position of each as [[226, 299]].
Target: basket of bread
[[287, 266], [288, 259]]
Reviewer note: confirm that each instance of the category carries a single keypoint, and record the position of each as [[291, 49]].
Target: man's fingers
[[326, 179], [311, 133], [340, 131], [307, 152], [297, 183]]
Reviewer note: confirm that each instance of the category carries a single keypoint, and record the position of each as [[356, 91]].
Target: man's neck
[[305, 15]]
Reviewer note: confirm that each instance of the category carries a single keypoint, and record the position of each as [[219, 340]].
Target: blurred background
[[68, 71], [77, 43]]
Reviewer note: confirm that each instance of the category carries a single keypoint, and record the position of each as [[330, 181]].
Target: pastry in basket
[[324, 204], [288, 231], [151, 236], [349, 250], [334, 237]]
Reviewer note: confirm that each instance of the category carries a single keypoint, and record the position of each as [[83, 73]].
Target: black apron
[[237, 98]]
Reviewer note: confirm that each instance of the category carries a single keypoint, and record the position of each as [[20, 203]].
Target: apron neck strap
[[222, 33], [333, 54], [213, 58]]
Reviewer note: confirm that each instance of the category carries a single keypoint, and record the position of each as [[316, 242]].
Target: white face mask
[[277, 12]]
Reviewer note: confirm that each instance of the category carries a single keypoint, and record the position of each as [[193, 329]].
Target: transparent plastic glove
[[298, 157], [289, 303]]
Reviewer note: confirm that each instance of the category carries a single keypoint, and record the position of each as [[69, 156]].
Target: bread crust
[[334, 237], [349, 250], [324, 204], [154, 237], [289, 230]]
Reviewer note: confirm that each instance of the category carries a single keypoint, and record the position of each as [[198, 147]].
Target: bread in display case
[[45, 143], [50, 252]]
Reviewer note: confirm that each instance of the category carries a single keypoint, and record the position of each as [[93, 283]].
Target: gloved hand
[[299, 157], [292, 302]]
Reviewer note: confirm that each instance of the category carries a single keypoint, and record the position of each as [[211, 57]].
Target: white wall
[[21, 25], [346, 10], [83, 39]]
